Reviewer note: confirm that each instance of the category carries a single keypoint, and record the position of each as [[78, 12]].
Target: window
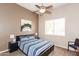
[[55, 27]]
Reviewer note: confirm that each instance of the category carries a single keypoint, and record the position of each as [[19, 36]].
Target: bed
[[31, 46]]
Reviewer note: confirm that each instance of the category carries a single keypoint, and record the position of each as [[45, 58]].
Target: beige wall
[[71, 14], [10, 19]]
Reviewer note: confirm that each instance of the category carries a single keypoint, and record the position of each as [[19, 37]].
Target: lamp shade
[[36, 33], [12, 36]]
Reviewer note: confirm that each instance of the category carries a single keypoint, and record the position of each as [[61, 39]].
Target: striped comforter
[[34, 47]]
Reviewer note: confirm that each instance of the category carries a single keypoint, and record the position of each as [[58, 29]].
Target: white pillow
[[31, 37]]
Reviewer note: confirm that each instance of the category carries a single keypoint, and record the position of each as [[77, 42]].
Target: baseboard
[[64, 47], [61, 46], [4, 51]]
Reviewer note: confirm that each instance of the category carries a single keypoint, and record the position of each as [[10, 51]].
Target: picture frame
[[26, 25]]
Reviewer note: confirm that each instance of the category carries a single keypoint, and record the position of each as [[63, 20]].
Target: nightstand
[[37, 37], [13, 46]]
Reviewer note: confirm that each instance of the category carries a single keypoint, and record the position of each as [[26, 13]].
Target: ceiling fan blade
[[49, 7], [48, 12], [37, 6]]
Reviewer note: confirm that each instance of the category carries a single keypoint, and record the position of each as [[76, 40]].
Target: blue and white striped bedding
[[34, 47]]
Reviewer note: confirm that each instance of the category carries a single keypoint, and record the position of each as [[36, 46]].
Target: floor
[[57, 52], [62, 52]]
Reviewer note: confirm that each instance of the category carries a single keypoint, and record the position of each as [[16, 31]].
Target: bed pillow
[[24, 38], [31, 37]]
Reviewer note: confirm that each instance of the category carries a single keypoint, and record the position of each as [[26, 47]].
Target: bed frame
[[44, 53]]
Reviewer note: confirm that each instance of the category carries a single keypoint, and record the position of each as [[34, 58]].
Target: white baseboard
[[66, 48], [62, 46], [4, 51]]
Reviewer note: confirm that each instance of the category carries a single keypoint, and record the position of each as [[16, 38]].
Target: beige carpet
[[57, 52]]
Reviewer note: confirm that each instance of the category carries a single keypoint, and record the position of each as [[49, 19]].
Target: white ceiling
[[31, 6]]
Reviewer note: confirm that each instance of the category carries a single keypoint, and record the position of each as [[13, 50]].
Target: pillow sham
[[31, 37], [24, 38]]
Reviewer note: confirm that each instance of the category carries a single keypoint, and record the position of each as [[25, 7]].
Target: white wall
[[71, 14]]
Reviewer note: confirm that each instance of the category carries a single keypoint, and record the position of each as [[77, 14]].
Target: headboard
[[18, 37]]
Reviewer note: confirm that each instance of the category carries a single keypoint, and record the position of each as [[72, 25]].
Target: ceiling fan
[[44, 9]]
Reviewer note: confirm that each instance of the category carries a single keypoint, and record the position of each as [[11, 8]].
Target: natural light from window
[[55, 27]]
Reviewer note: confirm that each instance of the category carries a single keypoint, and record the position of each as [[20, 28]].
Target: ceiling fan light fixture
[[42, 10]]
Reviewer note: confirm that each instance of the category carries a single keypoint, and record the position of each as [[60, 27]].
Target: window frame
[[54, 33]]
